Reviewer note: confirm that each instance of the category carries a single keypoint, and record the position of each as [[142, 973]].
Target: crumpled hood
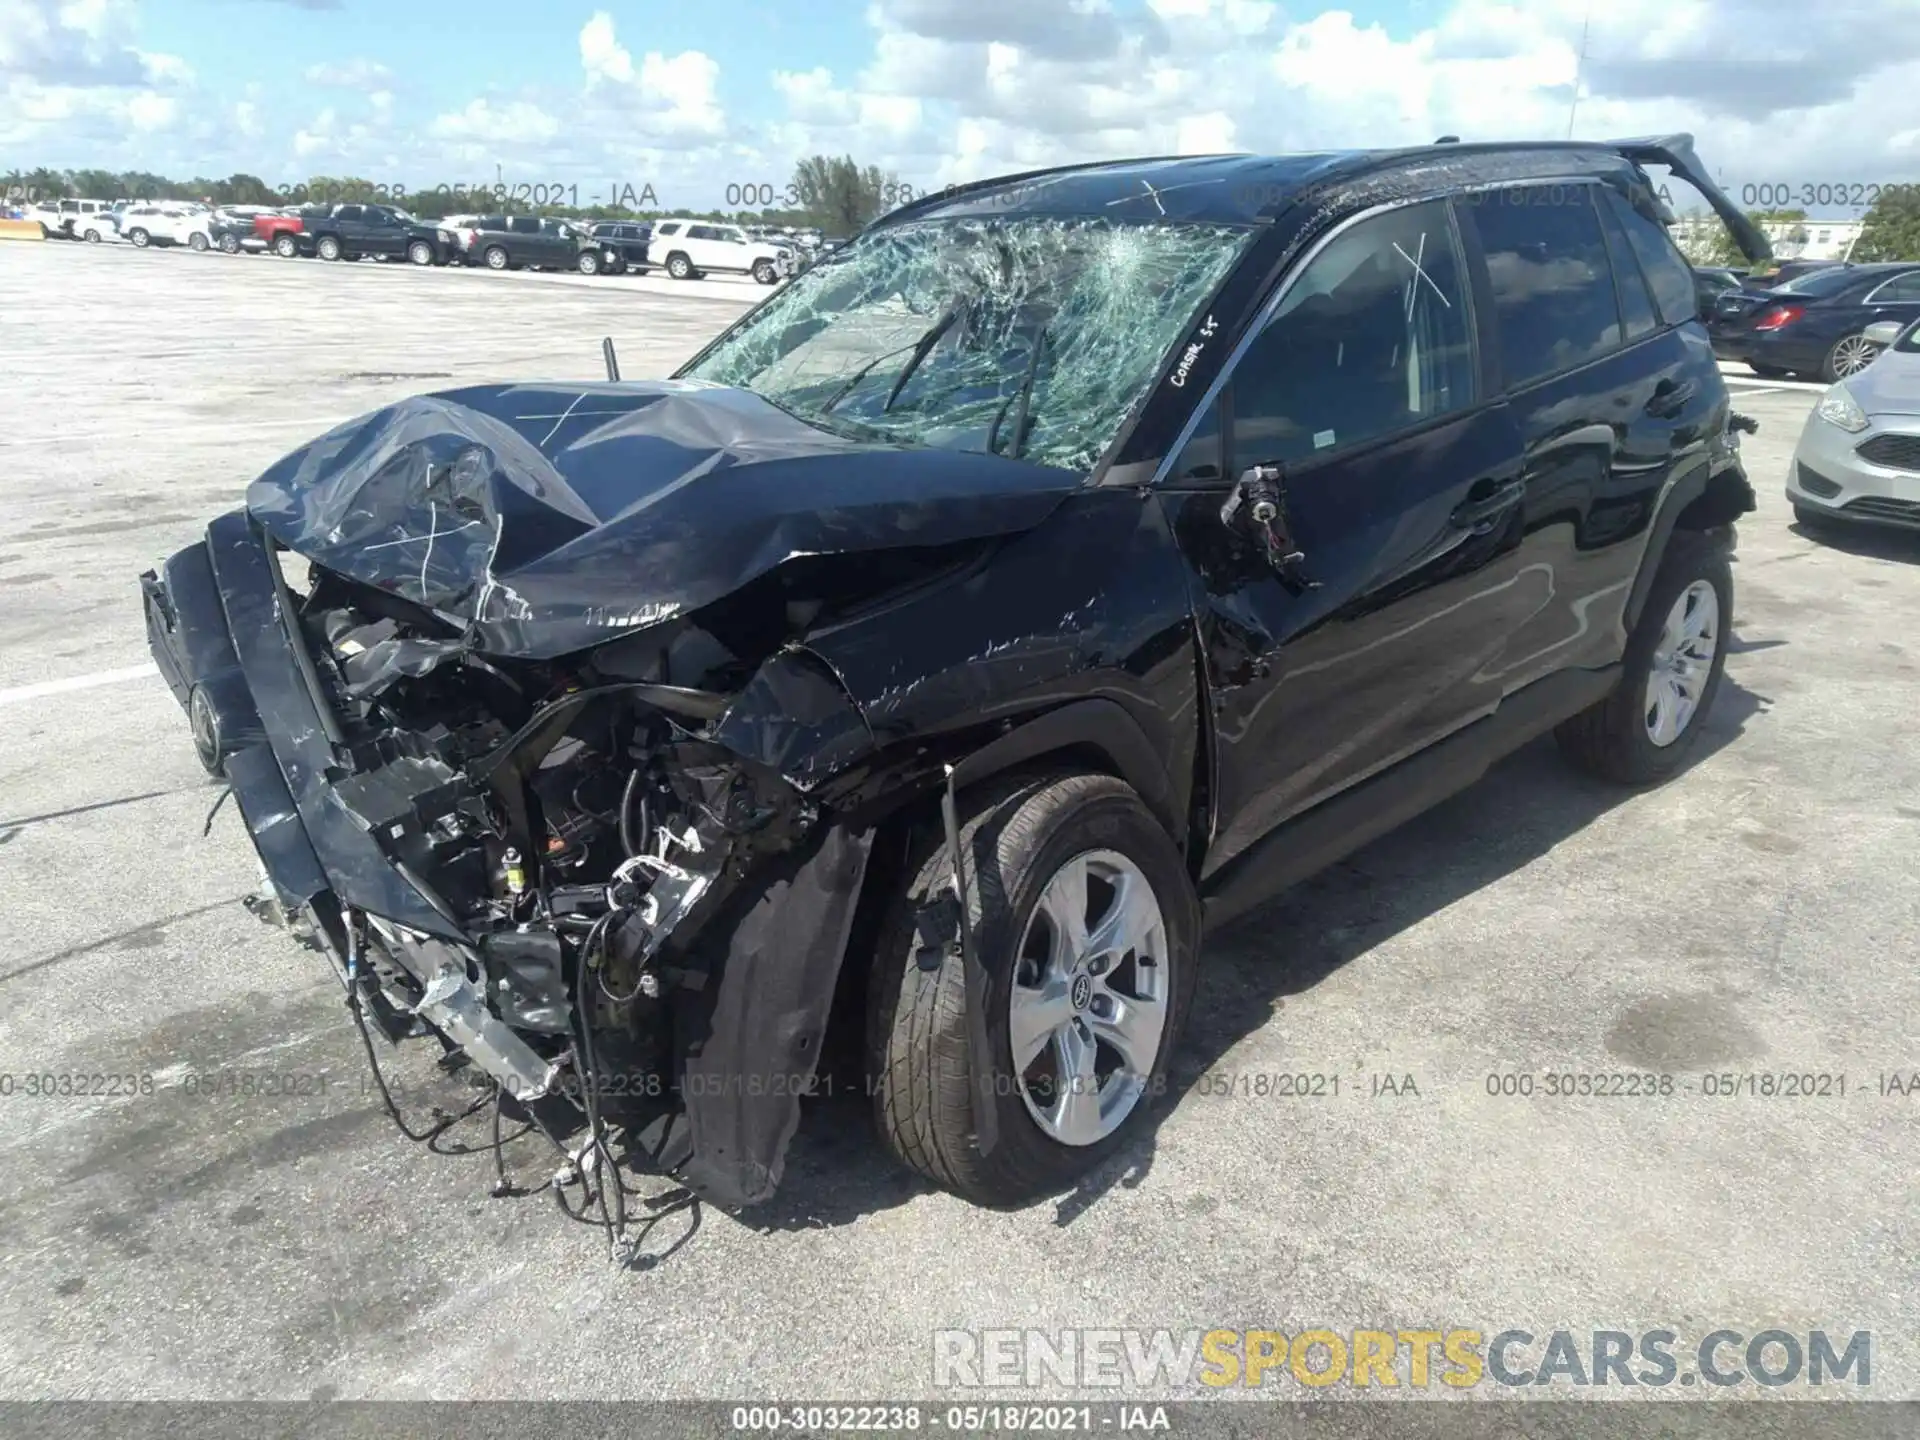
[[548, 518]]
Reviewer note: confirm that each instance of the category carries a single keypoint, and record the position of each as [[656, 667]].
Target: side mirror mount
[[1258, 503]]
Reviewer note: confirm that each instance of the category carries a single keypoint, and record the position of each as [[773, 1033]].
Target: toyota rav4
[[1070, 561]]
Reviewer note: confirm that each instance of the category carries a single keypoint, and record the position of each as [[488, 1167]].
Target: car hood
[[547, 518], [1889, 386]]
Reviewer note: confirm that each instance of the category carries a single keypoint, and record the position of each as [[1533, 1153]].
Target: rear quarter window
[[1668, 275]]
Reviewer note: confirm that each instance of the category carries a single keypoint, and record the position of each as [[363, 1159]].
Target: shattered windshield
[[1028, 336]]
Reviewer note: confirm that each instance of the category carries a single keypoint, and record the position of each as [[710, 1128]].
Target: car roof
[[1243, 187]]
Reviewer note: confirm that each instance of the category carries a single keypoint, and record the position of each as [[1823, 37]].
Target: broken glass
[[1029, 336]]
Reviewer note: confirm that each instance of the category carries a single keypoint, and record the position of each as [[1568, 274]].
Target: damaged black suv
[[1070, 560]]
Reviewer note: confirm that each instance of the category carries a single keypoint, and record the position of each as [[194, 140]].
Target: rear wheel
[[1088, 929], [230, 244], [764, 272], [496, 258], [93, 236], [286, 247], [420, 253], [1849, 356], [198, 242], [327, 247], [139, 237], [1643, 732]]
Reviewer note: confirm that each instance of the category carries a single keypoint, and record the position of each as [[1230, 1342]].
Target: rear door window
[[525, 225], [1901, 288], [350, 213], [1553, 299]]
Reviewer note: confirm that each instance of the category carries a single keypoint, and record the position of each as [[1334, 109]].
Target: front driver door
[[1403, 494]]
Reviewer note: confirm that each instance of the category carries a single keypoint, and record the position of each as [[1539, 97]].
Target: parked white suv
[[690, 248], [144, 225]]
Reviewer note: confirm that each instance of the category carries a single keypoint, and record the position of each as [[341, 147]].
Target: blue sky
[[696, 96]]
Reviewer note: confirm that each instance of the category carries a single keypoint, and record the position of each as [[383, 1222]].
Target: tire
[[764, 272], [198, 243], [1849, 356], [1768, 372], [918, 1055], [139, 238], [496, 258], [327, 247], [679, 267], [285, 246], [588, 263], [1614, 738], [229, 244], [420, 253], [93, 236]]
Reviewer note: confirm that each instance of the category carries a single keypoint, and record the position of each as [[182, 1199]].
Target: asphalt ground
[[1757, 917]]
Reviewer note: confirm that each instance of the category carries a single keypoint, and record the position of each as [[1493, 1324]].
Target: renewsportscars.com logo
[[1456, 1358]]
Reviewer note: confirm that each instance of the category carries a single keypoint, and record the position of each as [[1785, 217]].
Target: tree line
[[835, 194], [1890, 230]]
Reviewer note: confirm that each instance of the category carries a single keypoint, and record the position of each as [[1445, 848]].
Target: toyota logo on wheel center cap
[[1082, 992]]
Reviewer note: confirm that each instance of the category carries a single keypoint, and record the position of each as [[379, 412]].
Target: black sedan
[[1813, 325]]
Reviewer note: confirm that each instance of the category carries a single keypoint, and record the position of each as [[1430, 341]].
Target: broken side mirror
[[1258, 504]]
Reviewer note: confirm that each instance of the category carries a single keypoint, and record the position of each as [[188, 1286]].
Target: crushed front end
[[587, 882]]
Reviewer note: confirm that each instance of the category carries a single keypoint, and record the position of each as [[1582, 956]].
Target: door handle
[[1670, 397], [1479, 515]]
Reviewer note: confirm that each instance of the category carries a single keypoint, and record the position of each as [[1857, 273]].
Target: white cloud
[[358, 73], [515, 122]]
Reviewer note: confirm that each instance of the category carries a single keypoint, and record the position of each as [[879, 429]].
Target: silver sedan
[[1859, 455]]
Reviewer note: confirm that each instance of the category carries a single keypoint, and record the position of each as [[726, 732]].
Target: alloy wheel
[[1682, 663], [1852, 355], [1089, 999]]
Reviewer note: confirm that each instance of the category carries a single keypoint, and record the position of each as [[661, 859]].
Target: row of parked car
[[685, 249], [1810, 318]]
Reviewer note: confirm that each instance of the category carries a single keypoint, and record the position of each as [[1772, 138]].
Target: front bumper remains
[[736, 928]]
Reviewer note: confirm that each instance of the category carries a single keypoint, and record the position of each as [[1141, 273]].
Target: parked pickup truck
[[350, 231]]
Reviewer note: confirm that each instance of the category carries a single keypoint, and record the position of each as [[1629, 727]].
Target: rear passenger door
[[1401, 473], [1613, 387], [531, 245]]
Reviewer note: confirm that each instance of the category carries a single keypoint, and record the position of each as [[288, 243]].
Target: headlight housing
[[1838, 407]]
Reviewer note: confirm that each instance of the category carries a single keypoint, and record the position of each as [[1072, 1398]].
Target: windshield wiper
[[1024, 395], [919, 348], [922, 348]]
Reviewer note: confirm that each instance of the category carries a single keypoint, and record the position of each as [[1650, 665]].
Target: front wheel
[[679, 267], [139, 237], [588, 263], [764, 272], [230, 244], [1088, 929], [198, 243], [420, 253], [286, 247], [93, 236], [1643, 732]]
